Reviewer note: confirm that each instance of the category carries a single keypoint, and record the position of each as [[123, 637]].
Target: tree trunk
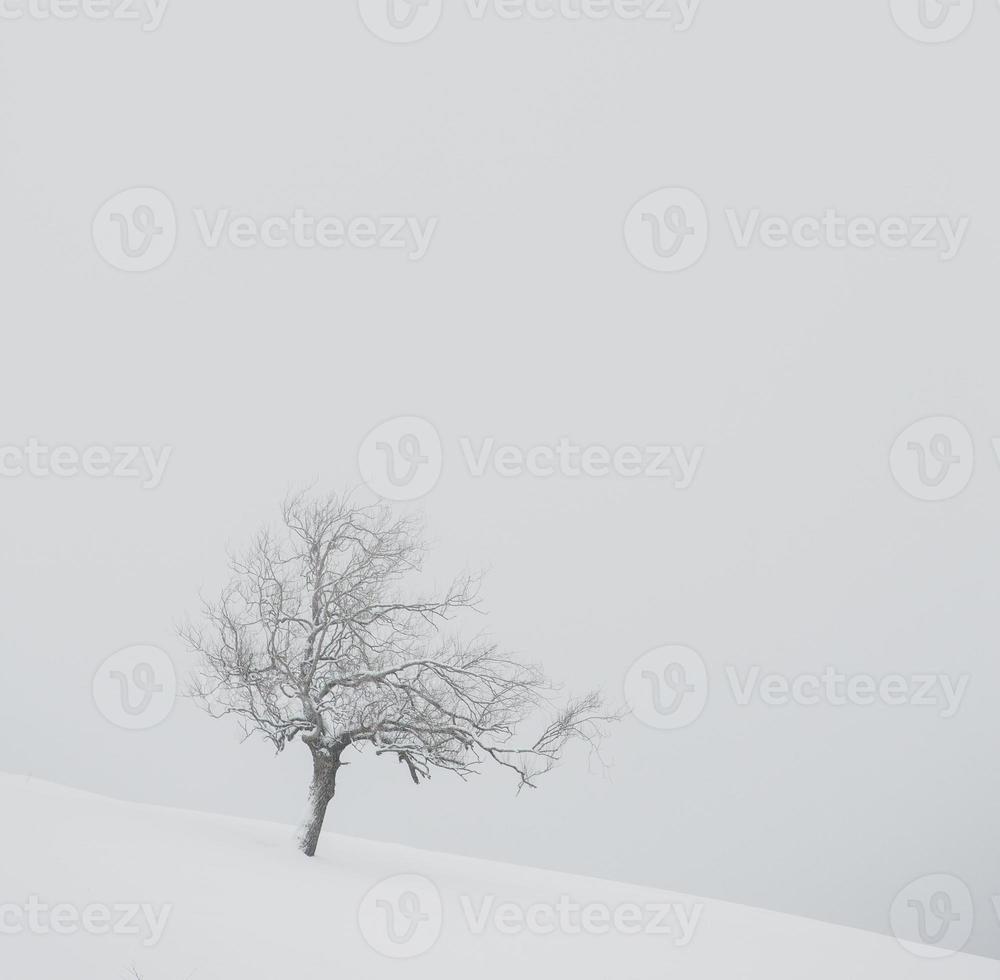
[[321, 792]]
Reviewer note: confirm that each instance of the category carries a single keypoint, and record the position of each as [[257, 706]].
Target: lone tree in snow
[[316, 639]]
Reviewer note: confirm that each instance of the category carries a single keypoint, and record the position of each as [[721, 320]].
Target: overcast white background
[[529, 320]]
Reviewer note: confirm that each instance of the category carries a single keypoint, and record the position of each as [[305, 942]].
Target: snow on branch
[[319, 637]]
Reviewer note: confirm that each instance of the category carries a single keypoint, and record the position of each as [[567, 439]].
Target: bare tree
[[316, 639]]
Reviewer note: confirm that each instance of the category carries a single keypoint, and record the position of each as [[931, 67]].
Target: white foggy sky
[[527, 321]]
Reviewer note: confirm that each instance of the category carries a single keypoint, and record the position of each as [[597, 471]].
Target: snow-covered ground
[[201, 897]]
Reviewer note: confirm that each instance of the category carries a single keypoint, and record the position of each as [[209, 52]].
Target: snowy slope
[[240, 904]]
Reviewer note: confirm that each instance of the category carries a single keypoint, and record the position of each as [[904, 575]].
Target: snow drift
[[94, 889]]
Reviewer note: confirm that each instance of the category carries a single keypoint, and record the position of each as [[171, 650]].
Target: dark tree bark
[[314, 640], [321, 792]]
